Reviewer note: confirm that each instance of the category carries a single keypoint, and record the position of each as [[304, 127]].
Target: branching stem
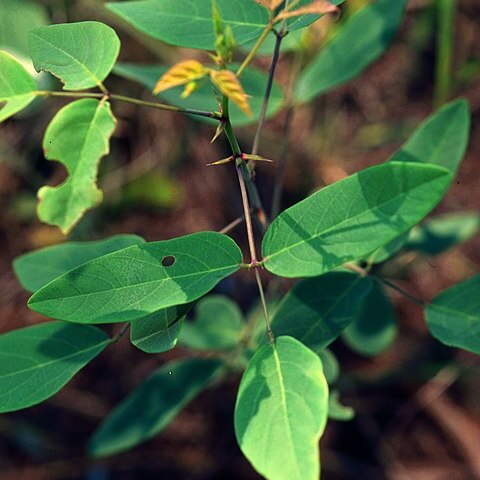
[[135, 101]]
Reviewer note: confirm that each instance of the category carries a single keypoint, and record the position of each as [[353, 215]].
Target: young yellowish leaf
[[183, 73], [228, 83], [317, 7]]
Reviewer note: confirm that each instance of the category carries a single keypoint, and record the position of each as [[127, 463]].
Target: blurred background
[[417, 403]]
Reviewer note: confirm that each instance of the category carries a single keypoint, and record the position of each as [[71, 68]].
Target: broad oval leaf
[[35, 269], [437, 234], [318, 309], [139, 280], [253, 81], [153, 405], [375, 328], [159, 331], [453, 317], [359, 42], [281, 411], [441, 139], [189, 23], [17, 87], [78, 136], [80, 54], [36, 362], [218, 325], [350, 219]]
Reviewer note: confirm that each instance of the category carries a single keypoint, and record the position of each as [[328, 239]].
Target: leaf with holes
[[438, 234], [134, 282], [318, 319], [80, 54], [36, 362], [281, 411], [350, 219], [35, 269], [159, 331], [442, 139], [253, 81], [375, 328], [218, 325], [17, 87], [359, 42], [153, 405], [453, 317], [78, 136]]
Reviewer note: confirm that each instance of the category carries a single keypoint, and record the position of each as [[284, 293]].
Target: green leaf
[[350, 219], [189, 23], [35, 269], [218, 325], [359, 42], [153, 405], [375, 328], [80, 54], [337, 411], [18, 18], [437, 234], [281, 411], [36, 362], [253, 82], [442, 139], [159, 331], [17, 88], [78, 136], [136, 281], [453, 317], [318, 309]]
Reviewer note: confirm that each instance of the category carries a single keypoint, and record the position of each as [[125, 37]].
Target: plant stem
[[232, 225], [268, 324], [121, 333], [254, 50], [257, 206], [444, 54], [135, 101], [385, 282], [268, 89]]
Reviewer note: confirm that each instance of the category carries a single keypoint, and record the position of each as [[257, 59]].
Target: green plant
[[333, 239]]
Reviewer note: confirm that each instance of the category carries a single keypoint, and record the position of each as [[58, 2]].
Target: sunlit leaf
[[80, 54], [281, 411], [134, 282], [16, 86], [36, 362], [78, 136], [350, 219]]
